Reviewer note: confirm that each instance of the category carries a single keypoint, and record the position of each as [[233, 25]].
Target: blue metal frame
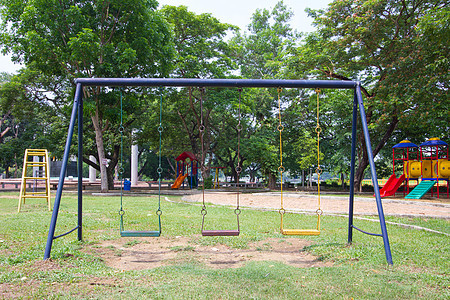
[[239, 83], [73, 118]]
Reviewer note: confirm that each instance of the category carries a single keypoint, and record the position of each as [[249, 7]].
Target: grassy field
[[76, 270]]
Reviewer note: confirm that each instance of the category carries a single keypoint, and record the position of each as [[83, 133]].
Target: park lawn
[[76, 270]]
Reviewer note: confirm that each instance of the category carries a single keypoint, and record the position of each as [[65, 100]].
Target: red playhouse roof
[[183, 156]]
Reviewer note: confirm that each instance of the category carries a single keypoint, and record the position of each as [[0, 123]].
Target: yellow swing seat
[[300, 232]]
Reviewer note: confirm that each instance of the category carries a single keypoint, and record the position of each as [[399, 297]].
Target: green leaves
[[84, 48], [399, 52], [199, 44]]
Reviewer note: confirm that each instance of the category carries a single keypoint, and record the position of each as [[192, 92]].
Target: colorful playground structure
[[187, 166], [427, 164]]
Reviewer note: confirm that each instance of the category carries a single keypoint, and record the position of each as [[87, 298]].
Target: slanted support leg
[[51, 231], [373, 172]]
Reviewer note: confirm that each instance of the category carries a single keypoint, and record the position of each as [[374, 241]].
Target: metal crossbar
[[240, 83]]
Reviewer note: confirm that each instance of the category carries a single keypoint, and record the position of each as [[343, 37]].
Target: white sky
[[236, 12]]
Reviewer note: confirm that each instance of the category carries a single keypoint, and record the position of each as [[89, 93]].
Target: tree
[[200, 52], [381, 44], [23, 124], [63, 40], [261, 54]]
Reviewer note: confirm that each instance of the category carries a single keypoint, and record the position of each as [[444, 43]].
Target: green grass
[[359, 271]]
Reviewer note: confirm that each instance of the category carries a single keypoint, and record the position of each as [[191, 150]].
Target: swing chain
[[203, 168], [238, 168], [281, 168], [160, 170], [319, 170], [121, 169], [239, 124]]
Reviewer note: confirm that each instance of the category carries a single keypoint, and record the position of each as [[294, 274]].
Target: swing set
[[77, 114]]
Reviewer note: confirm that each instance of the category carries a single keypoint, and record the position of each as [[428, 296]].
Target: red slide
[[392, 185], [179, 181]]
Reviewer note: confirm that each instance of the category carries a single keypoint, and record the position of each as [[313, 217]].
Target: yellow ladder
[[37, 171]]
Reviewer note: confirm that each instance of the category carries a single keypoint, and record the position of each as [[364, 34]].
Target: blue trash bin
[[126, 185]]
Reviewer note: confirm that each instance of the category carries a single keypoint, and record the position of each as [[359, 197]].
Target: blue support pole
[[352, 170], [80, 169], [373, 172], [51, 231]]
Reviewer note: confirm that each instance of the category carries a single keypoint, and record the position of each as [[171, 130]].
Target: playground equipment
[[435, 167], [237, 211], [185, 169], [426, 164], [216, 176], [145, 233], [281, 169], [38, 170], [407, 153], [77, 114]]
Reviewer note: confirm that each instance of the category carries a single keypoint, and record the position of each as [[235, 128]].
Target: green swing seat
[[151, 233]]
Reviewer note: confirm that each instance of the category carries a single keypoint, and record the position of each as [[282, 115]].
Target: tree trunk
[[359, 174], [252, 176], [363, 159], [110, 177], [174, 171], [272, 181], [100, 150], [310, 178]]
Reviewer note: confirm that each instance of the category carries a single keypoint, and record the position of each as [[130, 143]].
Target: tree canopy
[[63, 40], [399, 50]]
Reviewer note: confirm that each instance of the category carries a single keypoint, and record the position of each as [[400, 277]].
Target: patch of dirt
[[149, 254], [11, 197], [24, 286], [45, 265]]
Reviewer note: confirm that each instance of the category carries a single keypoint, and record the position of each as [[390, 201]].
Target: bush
[[208, 182]]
